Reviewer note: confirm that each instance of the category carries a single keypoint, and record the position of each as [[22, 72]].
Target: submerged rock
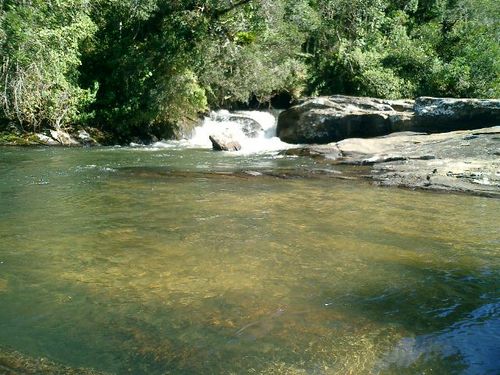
[[328, 151], [330, 119], [223, 143], [13, 363]]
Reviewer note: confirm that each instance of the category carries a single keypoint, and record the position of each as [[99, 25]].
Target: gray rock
[[249, 126], [328, 151], [46, 140], [434, 115], [63, 138], [435, 161], [223, 143], [327, 119], [86, 139], [330, 119]]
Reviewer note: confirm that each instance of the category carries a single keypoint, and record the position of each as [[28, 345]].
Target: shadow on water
[[433, 321]]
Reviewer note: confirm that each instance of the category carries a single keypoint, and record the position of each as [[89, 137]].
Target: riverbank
[[430, 143], [82, 136]]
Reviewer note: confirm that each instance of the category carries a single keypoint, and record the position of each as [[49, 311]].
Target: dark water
[[146, 262]]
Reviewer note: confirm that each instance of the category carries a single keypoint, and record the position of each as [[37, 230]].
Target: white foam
[[220, 123]]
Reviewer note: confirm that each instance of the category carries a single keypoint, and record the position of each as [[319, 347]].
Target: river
[[176, 259]]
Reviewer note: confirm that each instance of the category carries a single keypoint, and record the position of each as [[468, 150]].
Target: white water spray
[[254, 130]]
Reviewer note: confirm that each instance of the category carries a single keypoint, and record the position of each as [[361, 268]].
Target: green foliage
[[266, 61], [152, 66], [40, 58], [140, 56], [179, 102], [407, 48]]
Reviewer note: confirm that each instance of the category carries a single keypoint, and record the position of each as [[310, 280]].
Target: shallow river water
[[141, 261]]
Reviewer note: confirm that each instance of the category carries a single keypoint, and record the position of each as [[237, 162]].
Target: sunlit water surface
[[138, 261]]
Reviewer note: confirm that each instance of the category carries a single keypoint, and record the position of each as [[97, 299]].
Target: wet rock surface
[[86, 139], [46, 140], [223, 143], [330, 119], [461, 161]]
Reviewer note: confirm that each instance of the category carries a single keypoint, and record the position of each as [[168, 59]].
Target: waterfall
[[254, 130]]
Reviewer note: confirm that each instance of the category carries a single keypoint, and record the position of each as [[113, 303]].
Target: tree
[[256, 52], [40, 60]]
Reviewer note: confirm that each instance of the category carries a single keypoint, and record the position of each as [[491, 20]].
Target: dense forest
[[153, 66]]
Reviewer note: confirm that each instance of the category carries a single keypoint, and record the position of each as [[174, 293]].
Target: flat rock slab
[[462, 161]]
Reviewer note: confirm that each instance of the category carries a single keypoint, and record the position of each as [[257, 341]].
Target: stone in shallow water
[[222, 143]]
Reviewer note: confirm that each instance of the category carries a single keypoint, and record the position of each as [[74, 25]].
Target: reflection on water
[[146, 262], [463, 340]]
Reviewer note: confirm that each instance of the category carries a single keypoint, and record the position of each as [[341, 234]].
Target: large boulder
[[224, 143], [435, 115], [330, 119]]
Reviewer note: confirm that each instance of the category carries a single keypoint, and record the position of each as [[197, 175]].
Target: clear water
[[137, 261]]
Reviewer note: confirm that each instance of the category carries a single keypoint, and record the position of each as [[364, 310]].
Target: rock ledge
[[330, 119]]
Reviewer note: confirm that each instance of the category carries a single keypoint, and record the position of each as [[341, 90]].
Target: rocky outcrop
[[223, 143], [463, 161], [60, 137], [54, 137], [435, 115], [330, 119]]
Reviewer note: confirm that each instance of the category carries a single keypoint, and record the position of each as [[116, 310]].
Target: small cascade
[[255, 131]]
